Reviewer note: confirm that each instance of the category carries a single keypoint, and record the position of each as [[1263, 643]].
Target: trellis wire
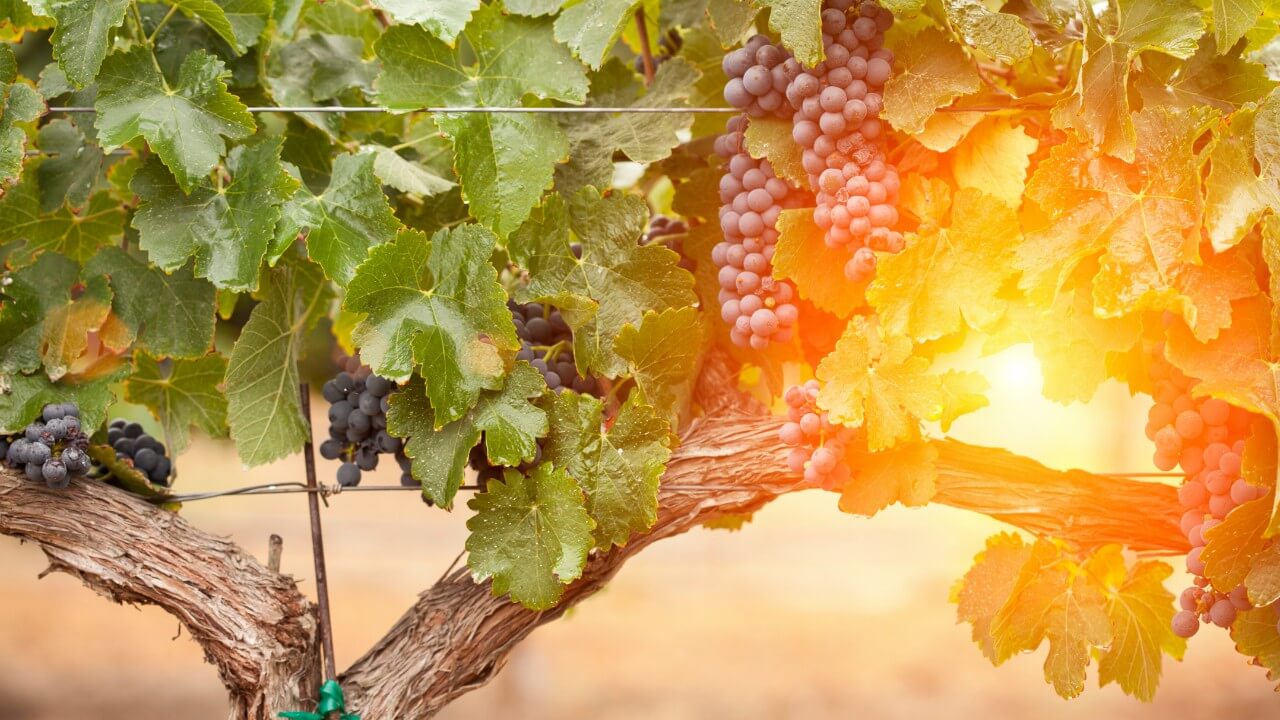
[[471, 109]]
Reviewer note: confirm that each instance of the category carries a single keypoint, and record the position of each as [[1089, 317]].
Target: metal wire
[[381, 109], [285, 488]]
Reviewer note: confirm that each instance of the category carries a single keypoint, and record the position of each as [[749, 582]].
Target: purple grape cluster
[[53, 448], [817, 444], [148, 455], [546, 342], [759, 73], [358, 402], [758, 307], [669, 232], [668, 45], [836, 121]]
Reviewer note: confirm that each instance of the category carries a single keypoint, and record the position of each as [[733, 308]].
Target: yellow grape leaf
[[1140, 611], [1051, 601], [1202, 294], [1256, 637], [942, 131], [1263, 580], [906, 473], [65, 334], [802, 256], [1235, 197], [948, 277], [994, 158], [770, 138], [986, 588], [930, 70], [1231, 547], [962, 393], [928, 198], [1271, 255], [732, 523], [875, 381]]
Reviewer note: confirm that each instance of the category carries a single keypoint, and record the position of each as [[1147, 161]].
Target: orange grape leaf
[[931, 71], [1140, 612], [803, 256], [943, 130], [906, 473], [1255, 635], [962, 393], [770, 139], [994, 158], [1231, 547], [1202, 294], [928, 198], [1263, 580], [985, 589], [875, 381], [950, 276], [1235, 197], [1271, 255]]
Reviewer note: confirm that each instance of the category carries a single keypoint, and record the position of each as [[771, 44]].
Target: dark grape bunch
[[759, 73], [53, 448], [546, 342], [669, 232], [837, 106], [817, 444], [668, 46], [358, 402], [147, 454], [1204, 437], [758, 307]]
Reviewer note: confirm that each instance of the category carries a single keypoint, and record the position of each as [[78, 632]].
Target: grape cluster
[[669, 232], [668, 45], [836, 121], [358, 402], [53, 448], [147, 454], [817, 445], [546, 342], [759, 73], [758, 307], [1205, 438]]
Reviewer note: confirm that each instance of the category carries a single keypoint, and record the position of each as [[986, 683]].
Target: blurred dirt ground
[[805, 614]]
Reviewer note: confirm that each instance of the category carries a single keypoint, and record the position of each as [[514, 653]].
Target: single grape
[[348, 475]]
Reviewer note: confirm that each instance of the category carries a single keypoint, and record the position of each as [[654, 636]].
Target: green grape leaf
[[74, 235], [404, 174], [21, 104], [662, 355], [31, 294], [341, 223], [248, 18], [770, 139], [533, 8], [930, 71], [69, 172], [184, 124], [1256, 637], [1233, 18], [510, 423], [619, 469], [613, 284], [81, 36], [731, 19], [435, 303], [1000, 35], [214, 16], [442, 18], [530, 534], [799, 23], [643, 138], [227, 228], [590, 27], [22, 397], [317, 68], [65, 333], [186, 394], [264, 409], [169, 314]]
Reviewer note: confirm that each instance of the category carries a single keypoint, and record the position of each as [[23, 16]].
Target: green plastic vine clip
[[331, 701]]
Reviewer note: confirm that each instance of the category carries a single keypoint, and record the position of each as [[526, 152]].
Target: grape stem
[[646, 55]]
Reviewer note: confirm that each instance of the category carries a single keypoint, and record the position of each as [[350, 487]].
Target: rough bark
[[253, 624]]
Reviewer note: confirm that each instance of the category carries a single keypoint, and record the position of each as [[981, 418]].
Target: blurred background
[[804, 613]]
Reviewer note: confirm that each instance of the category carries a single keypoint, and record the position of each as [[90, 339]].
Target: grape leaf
[[906, 473], [186, 394], [435, 303], [962, 393], [1099, 109], [69, 172], [21, 104], [1222, 80], [770, 139], [505, 160], [1140, 611], [1256, 637], [702, 50], [915, 291], [64, 336], [998, 34], [799, 24], [226, 228], [404, 174], [442, 18], [590, 27], [986, 587], [1231, 547], [342, 223], [317, 68], [994, 157], [22, 397], [731, 19], [803, 256], [618, 469], [165, 314], [663, 355], [929, 72], [214, 16], [81, 35], [184, 124], [29, 295], [264, 410], [530, 534], [510, 422], [76, 235], [1235, 197], [1233, 18], [872, 379], [643, 138], [614, 282], [1263, 580]]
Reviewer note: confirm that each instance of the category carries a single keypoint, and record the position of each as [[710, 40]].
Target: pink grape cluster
[[758, 307], [759, 73], [817, 445], [836, 121], [1205, 438]]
